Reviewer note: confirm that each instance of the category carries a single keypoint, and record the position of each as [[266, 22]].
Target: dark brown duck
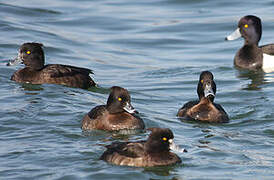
[[36, 72], [117, 114], [155, 151], [251, 56], [204, 109]]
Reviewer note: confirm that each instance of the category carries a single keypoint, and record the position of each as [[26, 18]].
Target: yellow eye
[[202, 81], [164, 139], [246, 26], [119, 99], [28, 52]]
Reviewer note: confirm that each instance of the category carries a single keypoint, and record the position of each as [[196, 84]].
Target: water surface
[[156, 49]]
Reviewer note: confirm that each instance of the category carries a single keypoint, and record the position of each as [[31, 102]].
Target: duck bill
[[208, 91], [235, 35], [15, 61], [174, 147], [128, 108]]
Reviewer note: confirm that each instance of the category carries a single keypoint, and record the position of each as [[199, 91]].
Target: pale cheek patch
[[268, 63]]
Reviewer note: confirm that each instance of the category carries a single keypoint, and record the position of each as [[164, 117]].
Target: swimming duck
[[155, 151], [117, 114], [36, 72], [204, 109], [251, 56]]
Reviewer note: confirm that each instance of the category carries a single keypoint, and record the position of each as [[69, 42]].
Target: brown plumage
[[152, 152], [205, 109], [117, 114], [35, 72]]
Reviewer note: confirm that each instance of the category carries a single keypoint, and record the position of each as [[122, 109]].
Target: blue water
[[156, 49]]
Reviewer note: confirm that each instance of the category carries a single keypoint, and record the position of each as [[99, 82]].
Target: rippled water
[[156, 49]]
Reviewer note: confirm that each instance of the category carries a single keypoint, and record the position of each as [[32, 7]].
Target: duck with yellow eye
[[251, 56], [117, 114], [204, 109], [155, 151], [36, 72]]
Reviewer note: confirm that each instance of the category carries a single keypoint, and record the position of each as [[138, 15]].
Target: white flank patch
[[268, 63]]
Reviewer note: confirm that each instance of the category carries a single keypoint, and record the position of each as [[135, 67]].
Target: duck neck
[[250, 52], [206, 100], [251, 42], [113, 109], [154, 147]]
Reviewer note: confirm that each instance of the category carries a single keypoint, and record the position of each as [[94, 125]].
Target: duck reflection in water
[[257, 78]]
